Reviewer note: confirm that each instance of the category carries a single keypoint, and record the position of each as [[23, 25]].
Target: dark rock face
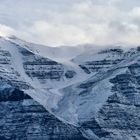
[[70, 74], [85, 68], [120, 116], [109, 58], [95, 127], [12, 95], [5, 55], [97, 65], [22, 118], [8, 74], [42, 68]]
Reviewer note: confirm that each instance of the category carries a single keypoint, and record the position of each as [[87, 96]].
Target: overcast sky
[[71, 22]]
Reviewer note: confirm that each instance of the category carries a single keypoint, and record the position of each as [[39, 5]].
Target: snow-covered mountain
[[68, 93], [60, 53]]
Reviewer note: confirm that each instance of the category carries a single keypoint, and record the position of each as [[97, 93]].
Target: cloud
[[6, 31], [135, 12], [69, 22], [56, 34]]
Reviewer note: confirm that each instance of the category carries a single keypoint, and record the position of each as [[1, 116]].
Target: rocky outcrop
[[41, 68], [70, 74], [22, 118], [104, 59], [121, 113]]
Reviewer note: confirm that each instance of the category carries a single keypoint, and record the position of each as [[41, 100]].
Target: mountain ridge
[[78, 93]]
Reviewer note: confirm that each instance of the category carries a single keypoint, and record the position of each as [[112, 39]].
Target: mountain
[[22, 117], [60, 53], [106, 105], [68, 93]]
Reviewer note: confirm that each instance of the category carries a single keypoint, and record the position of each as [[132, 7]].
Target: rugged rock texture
[[70, 74], [120, 116], [110, 100], [103, 59], [41, 68], [22, 118], [8, 73]]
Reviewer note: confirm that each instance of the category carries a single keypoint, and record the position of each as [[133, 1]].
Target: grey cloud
[[58, 22]]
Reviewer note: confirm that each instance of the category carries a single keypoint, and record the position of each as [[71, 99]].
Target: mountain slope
[[94, 61], [94, 95], [106, 105], [21, 117]]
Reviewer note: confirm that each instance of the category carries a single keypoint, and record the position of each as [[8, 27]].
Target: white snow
[[58, 54]]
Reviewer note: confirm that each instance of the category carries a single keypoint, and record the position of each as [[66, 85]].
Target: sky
[[72, 22]]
